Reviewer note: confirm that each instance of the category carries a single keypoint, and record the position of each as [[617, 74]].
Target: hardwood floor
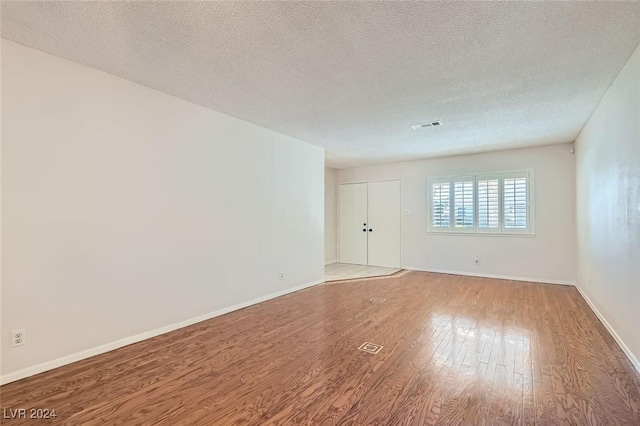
[[456, 350]]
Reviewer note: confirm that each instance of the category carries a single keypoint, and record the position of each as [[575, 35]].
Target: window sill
[[480, 234]]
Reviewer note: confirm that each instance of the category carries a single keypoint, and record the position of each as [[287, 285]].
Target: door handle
[[364, 230], [364, 224], [370, 230]]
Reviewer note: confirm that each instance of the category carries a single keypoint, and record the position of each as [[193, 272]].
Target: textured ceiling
[[353, 77]]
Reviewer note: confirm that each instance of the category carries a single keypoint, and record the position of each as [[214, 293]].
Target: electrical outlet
[[282, 275], [18, 338]]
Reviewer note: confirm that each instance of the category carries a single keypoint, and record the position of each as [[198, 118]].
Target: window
[[489, 203], [515, 203], [440, 205], [497, 203], [463, 203]]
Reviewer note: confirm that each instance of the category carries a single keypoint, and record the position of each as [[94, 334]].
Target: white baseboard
[[500, 277], [330, 262], [623, 346], [59, 362]]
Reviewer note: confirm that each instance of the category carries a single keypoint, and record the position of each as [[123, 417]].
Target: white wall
[[126, 210], [549, 256], [608, 200], [330, 216]]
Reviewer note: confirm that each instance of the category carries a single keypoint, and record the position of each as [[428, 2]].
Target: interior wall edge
[[126, 210], [495, 276], [88, 353], [635, 361]]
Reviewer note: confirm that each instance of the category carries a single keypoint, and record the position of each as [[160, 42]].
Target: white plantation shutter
[[496, 203], [440, 205], [463, 203], [488, 203], [515, 196]]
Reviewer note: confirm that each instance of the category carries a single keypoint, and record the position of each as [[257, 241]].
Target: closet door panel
[[352, 223], [384, 224]]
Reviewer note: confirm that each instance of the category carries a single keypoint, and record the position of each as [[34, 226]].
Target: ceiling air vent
[[424, 125]]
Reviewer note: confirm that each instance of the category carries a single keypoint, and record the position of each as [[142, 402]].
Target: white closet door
[[384, 223], [353, 223]]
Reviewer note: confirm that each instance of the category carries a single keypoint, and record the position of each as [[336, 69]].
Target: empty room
[[320, 212]]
